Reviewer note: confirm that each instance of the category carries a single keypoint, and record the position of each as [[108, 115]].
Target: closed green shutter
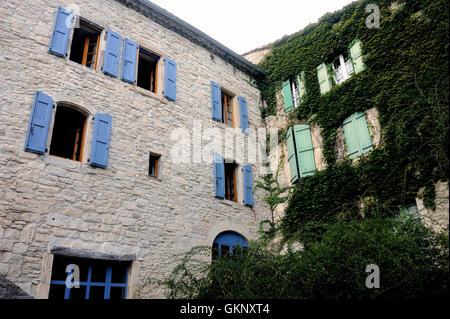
[[357, 135], [305, 150], [301, 84], [324, 78], [292, 158], [287, 96], [356, 55]]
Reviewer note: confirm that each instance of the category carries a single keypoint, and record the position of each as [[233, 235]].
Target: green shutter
[[292, 158], [356, 55], [324, 78], [305, 150], [357, 135], [301, 84], [362, 130], [287, 95]]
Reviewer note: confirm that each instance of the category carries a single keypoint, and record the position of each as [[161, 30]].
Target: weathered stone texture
[[48, 202]]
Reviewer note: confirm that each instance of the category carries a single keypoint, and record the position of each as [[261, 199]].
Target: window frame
[[148, 51], [84, 134], [234, 166], [157, 164], [94, 27], [223, 94], [108, 284]]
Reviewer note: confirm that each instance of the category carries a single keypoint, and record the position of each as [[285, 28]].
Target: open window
[[153, 169], [342, 67], [227, 109], [69, 132], [147, 77], [85, 44], [230, 181]]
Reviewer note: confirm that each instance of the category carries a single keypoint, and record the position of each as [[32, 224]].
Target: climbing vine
[[405, 78]]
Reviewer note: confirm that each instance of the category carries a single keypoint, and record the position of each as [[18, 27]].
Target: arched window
[[69, 130], [228, 244]]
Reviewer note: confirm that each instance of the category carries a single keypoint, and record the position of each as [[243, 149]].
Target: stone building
[[95, 96]]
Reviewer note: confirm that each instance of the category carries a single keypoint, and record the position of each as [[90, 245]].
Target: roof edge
[[172, 22]]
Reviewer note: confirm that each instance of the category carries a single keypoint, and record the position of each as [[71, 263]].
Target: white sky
[[243, 25]]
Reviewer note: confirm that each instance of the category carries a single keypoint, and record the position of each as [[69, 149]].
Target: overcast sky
[[243, 25]]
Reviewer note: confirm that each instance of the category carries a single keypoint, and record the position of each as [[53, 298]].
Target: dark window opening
[[68, 133], [147, 70], [99, 279], [227, 109], [230, 181], [153, 165], [85, 43]]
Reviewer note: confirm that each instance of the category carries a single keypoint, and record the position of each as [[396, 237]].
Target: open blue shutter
[[100, 140], [129, 61], [41, 113], [61, 32], [170, 81], [248, 185], [112, 53], [243, 114], [216, 103], [219, 176]]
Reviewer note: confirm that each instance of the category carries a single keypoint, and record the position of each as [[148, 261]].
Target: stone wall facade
[[49, 203]]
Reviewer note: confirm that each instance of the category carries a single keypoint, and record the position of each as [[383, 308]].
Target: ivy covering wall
[[405, 77]]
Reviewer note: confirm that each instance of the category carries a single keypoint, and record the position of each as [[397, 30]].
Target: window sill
[[148, 93]]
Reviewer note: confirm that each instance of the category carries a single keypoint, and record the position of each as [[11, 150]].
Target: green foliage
[[405, 77], [413, 263]]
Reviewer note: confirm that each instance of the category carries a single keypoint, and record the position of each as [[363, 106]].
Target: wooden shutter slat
[[101, 140], [61, 32], [129, 57], [292, 156], [324, 78], [170, 81], [305, 150], [287, 96], [38, 126], [248, 185], [216, 103]]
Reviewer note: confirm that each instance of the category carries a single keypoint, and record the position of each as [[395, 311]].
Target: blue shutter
[[219, 176], [248, 185], [100, 140], [129, 61], [41, 113], [112, 53], [243, 114], [61, 32], [170, 81], [216, 103]]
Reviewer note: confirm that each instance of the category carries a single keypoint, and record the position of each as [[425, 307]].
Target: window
[[228, 244], [293, 91], [410, 210], [85, 44], [341, 67], [154, 165], [300, 152], [68, 133], [227, 109], [147, 70], [98, 279], [230, 182], [357, 135]]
